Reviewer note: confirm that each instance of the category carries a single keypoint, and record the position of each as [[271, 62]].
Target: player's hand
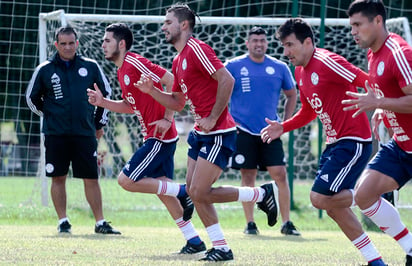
[[99, 133], [272, 131], [161, 127], [376, 119], [361, 102], [206, 124], [95, 96], [145, 84]]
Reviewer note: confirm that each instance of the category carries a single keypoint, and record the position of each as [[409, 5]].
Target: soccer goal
[[226, 35]]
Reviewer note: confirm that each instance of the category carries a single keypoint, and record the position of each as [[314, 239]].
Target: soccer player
[[203, 82], [323, 78], [151, 168], [390, 93], [259, 80], [57, 91]]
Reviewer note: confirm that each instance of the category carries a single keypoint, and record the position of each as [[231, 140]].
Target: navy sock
[[182, 191], [195, 241]]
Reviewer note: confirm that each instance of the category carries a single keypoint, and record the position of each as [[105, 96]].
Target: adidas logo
[[203, 149], [325, 177]]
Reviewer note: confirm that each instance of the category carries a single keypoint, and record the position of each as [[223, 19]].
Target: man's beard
[[115, 55]]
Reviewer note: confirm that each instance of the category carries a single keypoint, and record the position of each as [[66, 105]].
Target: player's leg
[[84, 165], [339, 168], [245, 158], [248, 180], [390, 169], [57, 166]]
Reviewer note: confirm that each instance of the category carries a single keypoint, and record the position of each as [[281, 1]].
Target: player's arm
[[97, 99], [290, 103], [224, 91], [34, 94], [173, 100], [275, 129], [167, 81], [101, 114]]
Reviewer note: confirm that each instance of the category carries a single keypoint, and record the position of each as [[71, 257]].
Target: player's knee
[[197, 195], [123, 181], [317, 201]]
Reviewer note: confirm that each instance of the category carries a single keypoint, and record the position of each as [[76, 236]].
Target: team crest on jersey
[[314, 78], [244, 71], [270, 70], [126, 80], [184, 64], [129, 98], [83, 72], [381, 68], [300, 82]]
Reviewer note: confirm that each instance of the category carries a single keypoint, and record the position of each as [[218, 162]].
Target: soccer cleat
[[192, 248], [188, 207], [289, 228], [408, 260], [217, 255], [64, 227], [106, 229], [268, 204], [251, 229]]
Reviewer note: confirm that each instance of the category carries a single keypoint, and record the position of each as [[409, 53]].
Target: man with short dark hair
[[57, 92], [259, 80]]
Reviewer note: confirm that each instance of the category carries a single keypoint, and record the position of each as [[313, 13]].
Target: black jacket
[[58, 92]]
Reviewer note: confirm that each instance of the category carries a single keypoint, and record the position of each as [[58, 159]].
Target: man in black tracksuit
[[57, 92]]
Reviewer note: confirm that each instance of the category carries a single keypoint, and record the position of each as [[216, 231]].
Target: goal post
[[226, 35]]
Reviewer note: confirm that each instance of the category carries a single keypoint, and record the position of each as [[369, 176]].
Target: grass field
[[149, 236]]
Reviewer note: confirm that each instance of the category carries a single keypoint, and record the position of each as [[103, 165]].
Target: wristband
[[167, 120]]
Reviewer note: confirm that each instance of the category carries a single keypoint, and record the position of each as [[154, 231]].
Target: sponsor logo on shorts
[[240, 159], [203, 149], [325, 177]]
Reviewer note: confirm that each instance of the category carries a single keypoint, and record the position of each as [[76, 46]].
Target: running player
[[323, 78], [390, 80]]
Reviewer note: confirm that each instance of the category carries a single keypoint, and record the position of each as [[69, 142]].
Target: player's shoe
[[378, 262], [268, 204], [188, 207], [106, 229], [408, 260], [251, 229], [64, 227], [217, 255], [193, 249], [289, 228]]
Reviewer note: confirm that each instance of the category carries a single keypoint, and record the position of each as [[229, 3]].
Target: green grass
[[149, 235]]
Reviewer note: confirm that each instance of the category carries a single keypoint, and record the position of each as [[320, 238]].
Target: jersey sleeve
[[34, 93], [305, 115], [205, 58], [402, 62], [288, 79]]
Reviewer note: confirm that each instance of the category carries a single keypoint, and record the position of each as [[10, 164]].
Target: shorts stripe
[[215, 149], [343, 173], [150, 156]]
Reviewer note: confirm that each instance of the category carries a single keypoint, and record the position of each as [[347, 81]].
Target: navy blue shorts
[[81, 151], [252, 153], [392, 161], [154, 159], [215, 148], [341, 165]]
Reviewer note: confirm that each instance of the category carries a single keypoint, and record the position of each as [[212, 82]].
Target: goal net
[[227, 37]]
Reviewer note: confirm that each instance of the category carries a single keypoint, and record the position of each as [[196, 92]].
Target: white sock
[[250, 194], [215, 234], [168, 188], [100, 222], [366, 248], [63, 220], [187, 228], [387, 218]]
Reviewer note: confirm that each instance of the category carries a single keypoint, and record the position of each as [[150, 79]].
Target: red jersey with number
[[323, 83], [193, 68], [389, 71], [144, 106]]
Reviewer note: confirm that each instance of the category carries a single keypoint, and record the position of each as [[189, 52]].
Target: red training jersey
[[144, 106], [323, 83], [389, 71], [193, 68]]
